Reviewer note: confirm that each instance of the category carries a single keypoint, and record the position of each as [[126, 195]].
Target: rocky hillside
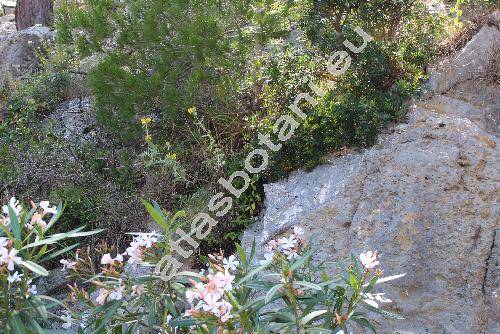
[[426, 197]]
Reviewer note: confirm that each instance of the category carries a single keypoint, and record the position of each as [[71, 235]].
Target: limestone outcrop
[[18, 51], [426, 197]]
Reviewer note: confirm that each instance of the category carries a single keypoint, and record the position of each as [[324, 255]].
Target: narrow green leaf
[[309, 285], [156, 215], [253, 273], [272, 292], [56, 254], [382, 312], [15, 323], [37, 269], [53, 238], [110, 312], [14, 223], [305, 320], [242, 254], [301, 260], [85, 234]]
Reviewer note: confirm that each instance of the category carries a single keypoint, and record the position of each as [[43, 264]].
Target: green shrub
[[81, 207], [211, 74]]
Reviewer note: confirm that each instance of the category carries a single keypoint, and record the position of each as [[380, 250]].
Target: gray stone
[[18, 51], [75, 121], [7, 24], [426, 197], [8, 7], [469, 63]]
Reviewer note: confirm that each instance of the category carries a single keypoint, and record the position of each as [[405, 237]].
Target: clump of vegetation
[[181, 90], [27, 243], [232, 295], [210, 79]]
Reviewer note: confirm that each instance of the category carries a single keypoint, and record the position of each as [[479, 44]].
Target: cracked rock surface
[[426, 197]]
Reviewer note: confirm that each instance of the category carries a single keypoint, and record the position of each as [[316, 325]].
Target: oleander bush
[[284, 292], [27, 242]]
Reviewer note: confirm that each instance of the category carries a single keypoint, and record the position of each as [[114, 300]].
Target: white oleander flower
[[288, 243], [103, 296], [16, 277], [298, 230], [371, 299], [268, 257], [14, 204], [32, 289], [117, 293], [107, 259], [369, 259], [231, 263], [3, 242], [290, 254], [147, 239], [137, 290], [68, 320], [272, 245]]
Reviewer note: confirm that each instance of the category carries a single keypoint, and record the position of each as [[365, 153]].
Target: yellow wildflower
[[172, 156], [146, 120], [148, 138], [191, 110]]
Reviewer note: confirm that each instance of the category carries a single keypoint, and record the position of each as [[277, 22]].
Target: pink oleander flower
[[224, 311], [369, 259], [68, 264], [9, 258], [37, 219], [137, 290], [107, 259], [46, 209], [224, 280], [135, 253], [103, 296]]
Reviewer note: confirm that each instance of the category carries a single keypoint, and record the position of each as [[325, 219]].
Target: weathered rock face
[[426, 197], [7, 24], [75, 121], [18, 51]]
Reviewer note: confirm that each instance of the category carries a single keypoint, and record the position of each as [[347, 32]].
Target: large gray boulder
[[7, 24], [470, 62], [75, 121], [426, 197], [18, 55]]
